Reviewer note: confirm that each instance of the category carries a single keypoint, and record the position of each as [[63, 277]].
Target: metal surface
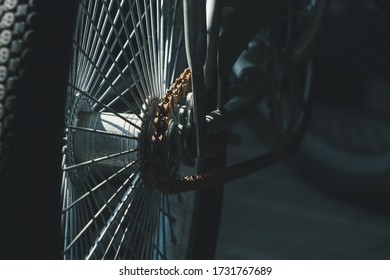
[[214, 10], [196, 46], [103, 134]]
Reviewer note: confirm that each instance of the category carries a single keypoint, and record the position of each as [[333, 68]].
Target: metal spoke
[[105, 106], [144, 90], [138, 213], [89, 223], [124, 202], [104, 77], [93, 130], [125, 56], [95, 160], [95, 188], [111, 56]]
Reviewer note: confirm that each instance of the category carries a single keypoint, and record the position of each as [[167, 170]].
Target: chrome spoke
[[95, 188], [93, 130], [126, 53], [105, 106], [95, 160], [105, 79], [126, 228], [111, 56], [90, 222], [125, 202]]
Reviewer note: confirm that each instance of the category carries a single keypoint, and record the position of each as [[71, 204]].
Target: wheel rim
[[126, 55], [291, 67], [305, 17]]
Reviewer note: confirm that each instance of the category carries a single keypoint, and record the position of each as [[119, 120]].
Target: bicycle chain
[[163, 168]]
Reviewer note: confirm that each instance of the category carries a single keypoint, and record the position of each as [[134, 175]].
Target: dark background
[[304, 208]]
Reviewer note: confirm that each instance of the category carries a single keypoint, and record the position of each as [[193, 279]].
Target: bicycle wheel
[[347, 150], [126, 55], [290, 67]]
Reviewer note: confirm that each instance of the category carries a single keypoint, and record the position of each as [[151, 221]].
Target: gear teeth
[[161, 170]]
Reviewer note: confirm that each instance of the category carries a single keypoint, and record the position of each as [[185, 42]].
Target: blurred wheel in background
[[347, 147]]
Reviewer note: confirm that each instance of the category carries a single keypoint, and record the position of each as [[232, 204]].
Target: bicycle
[[153, 87]]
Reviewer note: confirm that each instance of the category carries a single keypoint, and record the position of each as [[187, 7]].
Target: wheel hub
[[100, 142]]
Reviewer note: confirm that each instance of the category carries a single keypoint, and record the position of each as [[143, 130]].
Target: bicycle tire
[[292, 68], [30, 138]]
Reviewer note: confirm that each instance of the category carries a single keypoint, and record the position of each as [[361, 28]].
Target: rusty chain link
[[163, 170]]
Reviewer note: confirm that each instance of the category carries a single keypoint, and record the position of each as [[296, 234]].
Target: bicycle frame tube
[[211, 55], [196, 45], [240, 27], [213, 21]]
